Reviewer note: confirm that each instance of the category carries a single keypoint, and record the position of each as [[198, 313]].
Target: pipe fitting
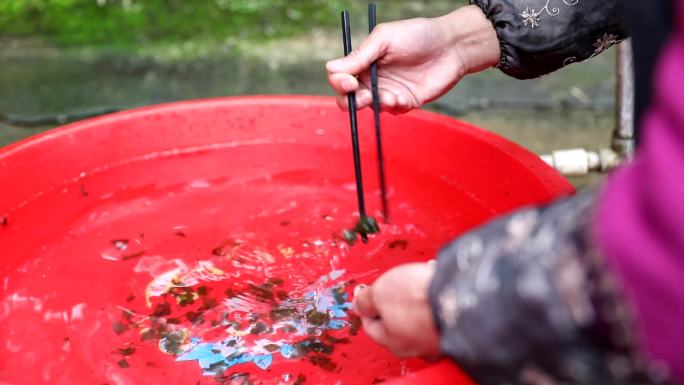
[[579, 161]]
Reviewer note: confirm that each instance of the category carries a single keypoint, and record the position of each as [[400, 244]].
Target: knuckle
[[382, 29], [379, 290], [354, 55]]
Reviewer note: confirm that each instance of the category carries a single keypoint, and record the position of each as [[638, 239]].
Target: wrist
[[472, 38]]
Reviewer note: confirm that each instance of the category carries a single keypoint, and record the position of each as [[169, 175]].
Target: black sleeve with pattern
[[526, 300], [541, 36]]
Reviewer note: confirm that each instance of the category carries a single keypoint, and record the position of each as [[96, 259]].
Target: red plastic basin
[[197, 242]]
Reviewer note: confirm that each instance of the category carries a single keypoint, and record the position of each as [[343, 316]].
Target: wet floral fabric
[[526, 300]]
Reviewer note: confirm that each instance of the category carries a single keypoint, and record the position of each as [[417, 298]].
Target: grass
[[130, 23]]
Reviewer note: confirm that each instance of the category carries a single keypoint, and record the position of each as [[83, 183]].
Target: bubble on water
[[336, 274], [287, 350], [198, 184], [263, 361], [55, 316], [124, 250], [120, 244], [77, 312]]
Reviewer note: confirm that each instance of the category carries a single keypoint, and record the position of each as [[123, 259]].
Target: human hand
[[419, 60], [396, 311]]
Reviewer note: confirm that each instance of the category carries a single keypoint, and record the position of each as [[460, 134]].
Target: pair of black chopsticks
[[346, 37]]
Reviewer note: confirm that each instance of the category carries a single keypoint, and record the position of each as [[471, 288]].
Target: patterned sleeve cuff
[[541, 36], [526, 299]]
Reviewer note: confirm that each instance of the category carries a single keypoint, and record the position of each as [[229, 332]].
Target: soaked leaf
[[123, 364]]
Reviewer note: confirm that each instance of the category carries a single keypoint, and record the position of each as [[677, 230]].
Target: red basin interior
[[198, 242]]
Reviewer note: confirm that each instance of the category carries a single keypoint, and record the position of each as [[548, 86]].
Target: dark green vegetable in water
[[127, 351], [275, 281], [355, 322], [194, 317], [259, 328], [364, 227], [349, 237], [172, 342], [282, 295], [367, 226], [317, 318], [119, 327], [263, 293], [322, 361], [123, 363], [183, 295], [161, 310], [279, 313]]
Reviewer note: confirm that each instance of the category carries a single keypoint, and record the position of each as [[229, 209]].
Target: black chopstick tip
[[346, 33], [372, 16]]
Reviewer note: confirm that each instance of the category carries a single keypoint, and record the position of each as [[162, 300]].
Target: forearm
[[472, 35]]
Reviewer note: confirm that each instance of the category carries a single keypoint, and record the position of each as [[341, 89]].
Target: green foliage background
[[123, 22]]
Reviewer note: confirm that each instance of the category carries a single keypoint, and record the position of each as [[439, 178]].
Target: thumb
[[377, 331], [364, 304], [361, 58]]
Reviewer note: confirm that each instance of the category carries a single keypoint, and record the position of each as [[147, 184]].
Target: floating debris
[[123, 363], [127, 351], [398, 244], [349, 236], [172, 343], [364, 227], [367, 226], [291, 326]]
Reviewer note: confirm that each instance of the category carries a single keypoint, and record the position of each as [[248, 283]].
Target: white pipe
[[579, 161]]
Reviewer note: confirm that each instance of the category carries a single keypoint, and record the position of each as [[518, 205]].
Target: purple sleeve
[[640, 220]]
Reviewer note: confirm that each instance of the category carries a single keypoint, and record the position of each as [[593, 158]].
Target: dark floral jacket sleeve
[[541, 36], [527, 299]]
